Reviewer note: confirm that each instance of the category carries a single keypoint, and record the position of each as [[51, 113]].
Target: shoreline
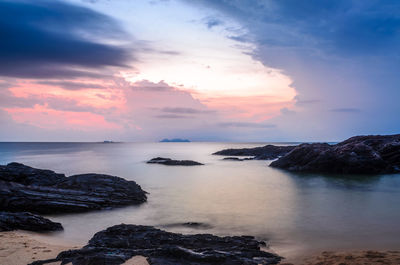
[[19, 247]]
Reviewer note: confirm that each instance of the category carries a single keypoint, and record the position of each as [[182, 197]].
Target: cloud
[[287, 111], [171, 116], [346, 110], [53, 39], [179, 110], [338, 53], [69, 85], [146, 85], [212, 22], [246, 125]]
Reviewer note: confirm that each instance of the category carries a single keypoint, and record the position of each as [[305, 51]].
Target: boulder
[[23, 188], [374, 154], [119, 243], [259, 153], [26, 221]]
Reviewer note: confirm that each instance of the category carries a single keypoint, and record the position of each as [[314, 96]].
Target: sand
[[17, 248], [20, 248], [369, 257]]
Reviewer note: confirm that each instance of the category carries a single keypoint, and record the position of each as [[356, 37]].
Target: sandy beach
[[20, 248], [366, 257]]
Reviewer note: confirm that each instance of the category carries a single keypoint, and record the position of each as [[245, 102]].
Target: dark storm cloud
[[42, 39], [338, 26]]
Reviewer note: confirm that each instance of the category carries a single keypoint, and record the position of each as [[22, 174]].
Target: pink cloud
[[44, 117]]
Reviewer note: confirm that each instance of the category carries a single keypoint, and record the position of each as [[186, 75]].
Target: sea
[[295, 213]]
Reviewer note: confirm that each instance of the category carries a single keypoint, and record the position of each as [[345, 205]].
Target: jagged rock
[[171, 162], [357, 155], [260, 153], [19, 173], [119, 243], [26, 221], [24, 188]]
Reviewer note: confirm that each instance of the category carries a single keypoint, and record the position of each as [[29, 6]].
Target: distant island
[[175, 140]]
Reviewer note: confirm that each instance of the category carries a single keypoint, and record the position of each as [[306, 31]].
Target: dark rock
[[119, 243], [260, 153], [237, 158], [170, 162], [26, 221], [175, 140], [25, 175], [23, 188], [357, 155], [196, 225]]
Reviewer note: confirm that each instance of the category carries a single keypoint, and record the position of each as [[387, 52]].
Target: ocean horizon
[[296, 213]]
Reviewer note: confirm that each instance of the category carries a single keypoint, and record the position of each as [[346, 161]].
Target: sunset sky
[[205, 70]]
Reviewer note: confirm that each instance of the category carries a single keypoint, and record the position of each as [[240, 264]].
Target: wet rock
[[171, 162], [357, 155], [259, 153], [26, 221], [24, 188], [119, 243], [237, 158], [195, 225]]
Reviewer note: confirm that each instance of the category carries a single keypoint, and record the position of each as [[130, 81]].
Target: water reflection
[[297, 212]]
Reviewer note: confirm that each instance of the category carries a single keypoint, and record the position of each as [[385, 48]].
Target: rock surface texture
[[259, 153], [119, 243], [357, 155], [23, 188], [26, 221], [171, 162]]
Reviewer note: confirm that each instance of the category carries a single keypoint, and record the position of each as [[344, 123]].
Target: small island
[[171, 162], [174, 140]]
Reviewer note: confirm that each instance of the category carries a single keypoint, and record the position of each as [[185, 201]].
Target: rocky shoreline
[[356, 155], [26, 221], [257, 153], [373, 154], [39, 191], [26, 192], [119, 243]]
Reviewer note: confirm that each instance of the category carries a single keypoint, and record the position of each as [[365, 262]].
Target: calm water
[[297, 213]]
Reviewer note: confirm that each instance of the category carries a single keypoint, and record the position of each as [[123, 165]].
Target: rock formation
[[356, 155], [259, 153], [119, 243], [171, 162], [26, 221], [24, 188]]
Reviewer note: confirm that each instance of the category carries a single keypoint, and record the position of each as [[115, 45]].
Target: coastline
[[19, 247], [348, 257]]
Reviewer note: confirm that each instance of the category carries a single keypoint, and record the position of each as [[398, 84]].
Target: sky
[[204, 70]]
